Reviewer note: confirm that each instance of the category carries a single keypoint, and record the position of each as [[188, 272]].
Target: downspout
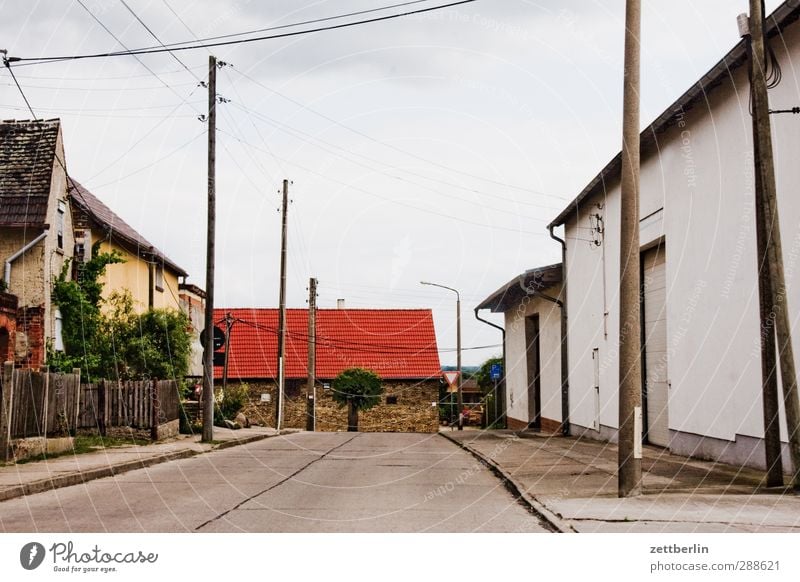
[[501, 395], [18, 254], [564, 337]]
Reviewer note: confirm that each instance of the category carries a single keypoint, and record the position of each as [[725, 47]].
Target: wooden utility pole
[[282, 312], [311, 391], [458, 363], [765, 172], [769, 376], [208, 348], [630, 378], [228, 327]]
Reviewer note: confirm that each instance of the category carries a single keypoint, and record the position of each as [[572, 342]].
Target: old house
[[398, 344], [36, 237], [531, 304], [700, 330], [150, 276]]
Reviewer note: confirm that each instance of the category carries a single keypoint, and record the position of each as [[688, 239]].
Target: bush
[[233, 400]]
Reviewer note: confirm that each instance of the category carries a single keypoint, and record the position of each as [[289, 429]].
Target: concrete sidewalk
[[573, 484], [21, 479]]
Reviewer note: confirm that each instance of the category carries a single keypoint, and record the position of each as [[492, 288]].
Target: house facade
[[700, 328], [148, 274], [36, 237], [397, 344], [531, 304]]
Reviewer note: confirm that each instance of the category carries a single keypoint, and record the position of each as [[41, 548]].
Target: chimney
[[340, 304]]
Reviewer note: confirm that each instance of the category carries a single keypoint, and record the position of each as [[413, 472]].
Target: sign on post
[[452, 380], [495, 372]]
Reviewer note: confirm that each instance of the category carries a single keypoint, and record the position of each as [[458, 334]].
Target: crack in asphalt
[[273, 486]]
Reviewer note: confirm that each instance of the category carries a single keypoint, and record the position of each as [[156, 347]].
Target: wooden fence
[[46, 404]]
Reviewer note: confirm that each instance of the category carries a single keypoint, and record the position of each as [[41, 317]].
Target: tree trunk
[[352, 417]]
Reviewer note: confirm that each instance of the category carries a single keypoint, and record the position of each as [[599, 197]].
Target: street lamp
[[458, 348]]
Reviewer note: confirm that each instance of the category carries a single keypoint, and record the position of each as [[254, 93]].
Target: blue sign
[[495, 372]]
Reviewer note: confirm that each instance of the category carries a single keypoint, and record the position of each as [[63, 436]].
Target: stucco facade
[[697, 208]]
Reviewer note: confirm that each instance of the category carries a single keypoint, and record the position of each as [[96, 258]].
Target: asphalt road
[[306, 482]]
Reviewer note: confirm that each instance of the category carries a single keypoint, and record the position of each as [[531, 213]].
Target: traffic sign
[[495, 372], [219, 338], [452, 380]]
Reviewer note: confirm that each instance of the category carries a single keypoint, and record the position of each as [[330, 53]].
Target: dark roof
[[27, 154], [513, 292], [782, 17], [116, 228], [395, 343]]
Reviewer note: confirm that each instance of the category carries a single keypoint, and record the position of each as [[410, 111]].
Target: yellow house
[[149, 275]]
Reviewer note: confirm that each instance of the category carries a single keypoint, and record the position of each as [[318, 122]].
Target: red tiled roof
[[395, 343]]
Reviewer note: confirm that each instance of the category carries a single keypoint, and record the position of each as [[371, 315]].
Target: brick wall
[[30, 337], [413, 411]]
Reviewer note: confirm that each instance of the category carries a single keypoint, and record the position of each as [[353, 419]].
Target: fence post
[[76, 372], [6, 407], [101, 407], [45, 371], [154, 411]]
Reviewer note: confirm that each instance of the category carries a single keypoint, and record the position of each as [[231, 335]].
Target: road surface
[[305, 482]]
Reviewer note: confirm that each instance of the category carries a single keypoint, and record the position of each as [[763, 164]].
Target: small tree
[[358, 389]]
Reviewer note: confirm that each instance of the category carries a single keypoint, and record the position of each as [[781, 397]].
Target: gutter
[[564, 336], [501, 395], [18, 254]]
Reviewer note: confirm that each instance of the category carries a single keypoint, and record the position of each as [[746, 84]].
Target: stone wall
[[415, 409]]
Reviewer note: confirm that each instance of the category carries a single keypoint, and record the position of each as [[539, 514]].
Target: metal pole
[[766, 172], [458, 350], [630, 381], [208, 348], [282, 312]]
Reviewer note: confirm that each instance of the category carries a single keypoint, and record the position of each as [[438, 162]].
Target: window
[[160, 277], [62, 209], [391, 400]]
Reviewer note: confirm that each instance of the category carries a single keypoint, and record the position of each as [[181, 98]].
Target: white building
[[532, 307], [701, 364]]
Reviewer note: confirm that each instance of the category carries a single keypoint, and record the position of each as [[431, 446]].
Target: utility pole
[[769, 376], [208, 348], [458, 363], [282, 312], [765, 172], [228, 327], [630, 378], [311, 396]]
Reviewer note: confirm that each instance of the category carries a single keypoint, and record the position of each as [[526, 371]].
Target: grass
[[89, 444]]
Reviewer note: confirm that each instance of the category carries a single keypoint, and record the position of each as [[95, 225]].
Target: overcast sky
[[434, 147]]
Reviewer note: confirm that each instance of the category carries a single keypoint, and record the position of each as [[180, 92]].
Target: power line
[[408, 153], [335, 151], [387, 199], [158, 50]]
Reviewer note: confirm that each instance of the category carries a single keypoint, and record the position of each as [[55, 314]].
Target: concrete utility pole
[[208, 348], [765, 172], [769, 376], [311, 391], [282, 312], [630, 377]]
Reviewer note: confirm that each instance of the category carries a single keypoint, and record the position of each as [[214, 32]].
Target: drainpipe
[[501, 395], [18, 254], [564, 337]]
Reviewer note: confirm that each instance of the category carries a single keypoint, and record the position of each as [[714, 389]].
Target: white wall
[[702, 174], [550, 353]]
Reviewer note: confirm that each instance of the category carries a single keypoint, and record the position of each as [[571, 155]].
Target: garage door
[[656, 385]]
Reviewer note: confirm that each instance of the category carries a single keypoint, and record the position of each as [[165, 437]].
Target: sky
[[431, 147]]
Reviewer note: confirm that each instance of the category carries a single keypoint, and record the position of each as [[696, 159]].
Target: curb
[[555, 522], [71, 479]]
